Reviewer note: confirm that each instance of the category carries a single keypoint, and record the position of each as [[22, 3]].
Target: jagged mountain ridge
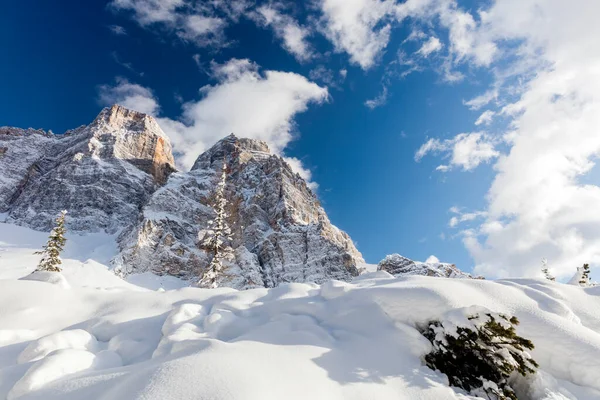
[[117, 175]]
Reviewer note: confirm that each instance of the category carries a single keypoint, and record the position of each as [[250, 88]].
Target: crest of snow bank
[[348, 341]]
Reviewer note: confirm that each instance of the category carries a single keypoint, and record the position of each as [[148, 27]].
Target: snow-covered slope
[[297, 341]]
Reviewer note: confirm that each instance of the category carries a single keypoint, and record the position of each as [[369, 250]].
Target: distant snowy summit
[[398, 265]]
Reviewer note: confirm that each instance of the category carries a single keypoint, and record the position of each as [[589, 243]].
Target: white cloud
[[464, 216], [117, 30], [244, 101], [147, 12], [485, 118], [432, 45], [286, 28], [129, 95], [198, 24], [379, 100], [329, 77], [432, 260], [466, 150], [482, 100], [540, 200], [357, 27]]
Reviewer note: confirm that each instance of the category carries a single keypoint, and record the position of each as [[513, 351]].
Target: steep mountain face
[[102, 173], [280, 231], [398, 265], [117, 175]]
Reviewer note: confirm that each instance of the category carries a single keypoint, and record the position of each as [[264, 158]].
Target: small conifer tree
[[585, 275], [481, 356], [56, 242], [217, 238], [545, 270]]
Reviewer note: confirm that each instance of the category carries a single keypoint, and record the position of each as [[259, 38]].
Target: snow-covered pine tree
[[585, 275], [545, 270], [217, 239], [56, 242]]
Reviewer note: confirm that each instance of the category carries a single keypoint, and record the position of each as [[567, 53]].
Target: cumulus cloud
[[287, 29], [539, 203], [485, 118], [243, 101], [482, 100], [359, 28], [432, 260], [465, 150], [198, 24], [129, 95], [432, 45]]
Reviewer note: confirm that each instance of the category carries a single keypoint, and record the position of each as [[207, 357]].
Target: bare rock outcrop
[[281, 232]]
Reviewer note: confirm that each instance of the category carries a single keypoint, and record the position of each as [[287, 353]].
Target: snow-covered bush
[[479, 351], [56, 242]]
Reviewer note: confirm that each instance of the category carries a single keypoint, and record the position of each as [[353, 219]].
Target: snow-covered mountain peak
[[118, 119], [232, 150]]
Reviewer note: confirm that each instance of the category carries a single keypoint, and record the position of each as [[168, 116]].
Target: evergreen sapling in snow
[[545, 270], [56, 242], [217, 239], [585, 275], [480, 354]]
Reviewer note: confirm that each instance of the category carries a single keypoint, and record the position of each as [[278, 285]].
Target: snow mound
[[55, 278], [337, 341]]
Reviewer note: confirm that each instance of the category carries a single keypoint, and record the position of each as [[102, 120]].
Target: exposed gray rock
[[281, 232], [398, 265], [102, 173]]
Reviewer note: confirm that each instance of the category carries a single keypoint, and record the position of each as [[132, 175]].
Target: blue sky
[[431, 69]]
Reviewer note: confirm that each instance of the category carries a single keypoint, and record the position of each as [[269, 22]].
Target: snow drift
[[297, 341]]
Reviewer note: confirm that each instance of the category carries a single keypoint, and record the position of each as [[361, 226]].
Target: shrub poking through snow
[[56, 242], [217, 239], [479, 353]]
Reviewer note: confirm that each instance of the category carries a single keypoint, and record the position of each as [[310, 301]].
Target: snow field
[[297, 341], [87, 334]]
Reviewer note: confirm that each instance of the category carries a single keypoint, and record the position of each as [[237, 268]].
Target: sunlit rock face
[[280, 231], [102, 173]]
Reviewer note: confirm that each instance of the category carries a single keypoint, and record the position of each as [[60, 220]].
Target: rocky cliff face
[[102, 173], [281, 233], [398, 265], [117, 175]]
